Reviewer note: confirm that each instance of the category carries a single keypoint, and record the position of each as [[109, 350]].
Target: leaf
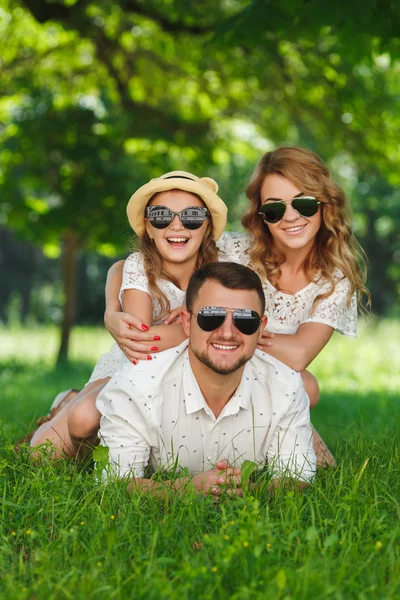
[[246, 470], [331, 540], [100, 456], [281, 579]]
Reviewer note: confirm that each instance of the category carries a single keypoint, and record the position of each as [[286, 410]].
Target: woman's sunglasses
[[211, 318], [191, 217], [305, 206]]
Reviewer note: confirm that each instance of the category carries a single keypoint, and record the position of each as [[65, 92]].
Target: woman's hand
[[131, 335], [264, 341], [175, 315]]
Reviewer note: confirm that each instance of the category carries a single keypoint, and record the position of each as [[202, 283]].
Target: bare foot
[[324, 455]]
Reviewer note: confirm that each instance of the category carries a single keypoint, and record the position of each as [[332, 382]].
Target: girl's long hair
[[208, 252], [335, 246]]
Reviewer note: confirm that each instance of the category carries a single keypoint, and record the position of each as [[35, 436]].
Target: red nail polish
[[134, 362], [144, 327], [154, 349], [149, 358], [156, 338]]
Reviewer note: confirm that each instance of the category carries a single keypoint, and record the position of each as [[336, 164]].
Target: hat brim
[[139, 200]]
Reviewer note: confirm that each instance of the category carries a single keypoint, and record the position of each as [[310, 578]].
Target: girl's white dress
[[285, 311]]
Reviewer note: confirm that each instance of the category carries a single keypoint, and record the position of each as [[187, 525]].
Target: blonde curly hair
[[208, 252], [335, 246]]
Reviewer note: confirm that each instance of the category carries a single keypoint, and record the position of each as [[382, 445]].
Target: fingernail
[[134, 362], [144, 327], [149, 358], [156, 338], [154, 349]]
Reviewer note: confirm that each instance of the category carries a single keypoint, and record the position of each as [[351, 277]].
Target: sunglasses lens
[[247, 321], [307, 206], [272, 212], [193, 217], [160, 217], [209, 320]]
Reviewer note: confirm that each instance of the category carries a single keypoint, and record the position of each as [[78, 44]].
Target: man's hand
[[223, 479], [130, 334]]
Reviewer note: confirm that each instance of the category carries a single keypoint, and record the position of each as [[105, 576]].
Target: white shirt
[[155, 414]]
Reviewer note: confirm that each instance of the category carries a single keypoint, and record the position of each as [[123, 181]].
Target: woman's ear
[[148, 228]]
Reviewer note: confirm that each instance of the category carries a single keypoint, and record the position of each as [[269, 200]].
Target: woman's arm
[[128, 330], [299, 349], [162, 337], [132, 329]]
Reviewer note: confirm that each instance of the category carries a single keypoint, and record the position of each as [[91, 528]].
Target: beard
[[220, 369]]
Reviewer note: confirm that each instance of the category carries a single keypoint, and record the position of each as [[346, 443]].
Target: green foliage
[[65, 534], [106, 95]]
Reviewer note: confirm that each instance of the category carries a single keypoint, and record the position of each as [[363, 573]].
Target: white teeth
[[219, 347], [177, 240], [295, 228]]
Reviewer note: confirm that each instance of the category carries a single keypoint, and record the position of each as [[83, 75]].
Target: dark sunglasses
[[305, 206], [245, 320], [191, 217]]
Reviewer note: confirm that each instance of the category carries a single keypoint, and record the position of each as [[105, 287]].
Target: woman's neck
[[293, 276]]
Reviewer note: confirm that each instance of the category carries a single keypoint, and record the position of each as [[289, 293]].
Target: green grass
[[64, 534]]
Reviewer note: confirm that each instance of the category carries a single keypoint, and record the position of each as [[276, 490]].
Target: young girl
[[177, 217], [300, 242]]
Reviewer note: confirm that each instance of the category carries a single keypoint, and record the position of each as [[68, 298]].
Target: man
[[212, 402]]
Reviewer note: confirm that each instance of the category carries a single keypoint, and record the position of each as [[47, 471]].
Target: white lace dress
[[287, 311], [134, 278]]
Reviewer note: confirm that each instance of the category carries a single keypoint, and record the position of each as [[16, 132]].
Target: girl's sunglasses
[[305, 206], [245, 320], [191, 217]]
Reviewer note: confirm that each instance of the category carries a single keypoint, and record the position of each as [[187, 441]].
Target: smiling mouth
[[177, 242], [225, 347], [295, 229]]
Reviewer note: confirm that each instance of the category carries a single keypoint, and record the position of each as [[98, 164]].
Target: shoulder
[[274, 370], [340, 281], [233, 246], [134, 261], [150, 376]]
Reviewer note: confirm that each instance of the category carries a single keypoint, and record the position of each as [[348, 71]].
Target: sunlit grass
[[66, 535]]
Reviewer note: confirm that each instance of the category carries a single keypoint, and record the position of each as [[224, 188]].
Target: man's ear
[[185, 318], [264, 321]]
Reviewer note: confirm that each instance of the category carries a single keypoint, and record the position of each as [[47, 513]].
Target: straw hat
[[205, 187]]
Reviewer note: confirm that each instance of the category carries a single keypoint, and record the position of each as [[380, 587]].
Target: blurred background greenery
[[97, 97]]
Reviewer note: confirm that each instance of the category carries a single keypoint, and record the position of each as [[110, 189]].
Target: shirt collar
[[194, 399]]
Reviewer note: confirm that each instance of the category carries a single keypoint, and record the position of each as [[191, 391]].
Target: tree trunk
[[69, 266]]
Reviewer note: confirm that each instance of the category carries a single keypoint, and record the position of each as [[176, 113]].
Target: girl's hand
[[130, 334], [264, 341], [175, 315]]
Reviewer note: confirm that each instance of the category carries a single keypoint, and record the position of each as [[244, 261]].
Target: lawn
[[66, 534]]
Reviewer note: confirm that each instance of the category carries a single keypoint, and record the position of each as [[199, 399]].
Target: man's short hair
[[230, 275]]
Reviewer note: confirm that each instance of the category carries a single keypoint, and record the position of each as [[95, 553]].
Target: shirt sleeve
[[291, 451], [125, 428], [134, 275], [234, 247], [333, 310]]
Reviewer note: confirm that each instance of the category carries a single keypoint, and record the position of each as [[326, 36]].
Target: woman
[[177, 218]]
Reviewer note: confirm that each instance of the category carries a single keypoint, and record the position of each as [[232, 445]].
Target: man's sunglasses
[[191, 217], [305, 206], [211, 318]]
